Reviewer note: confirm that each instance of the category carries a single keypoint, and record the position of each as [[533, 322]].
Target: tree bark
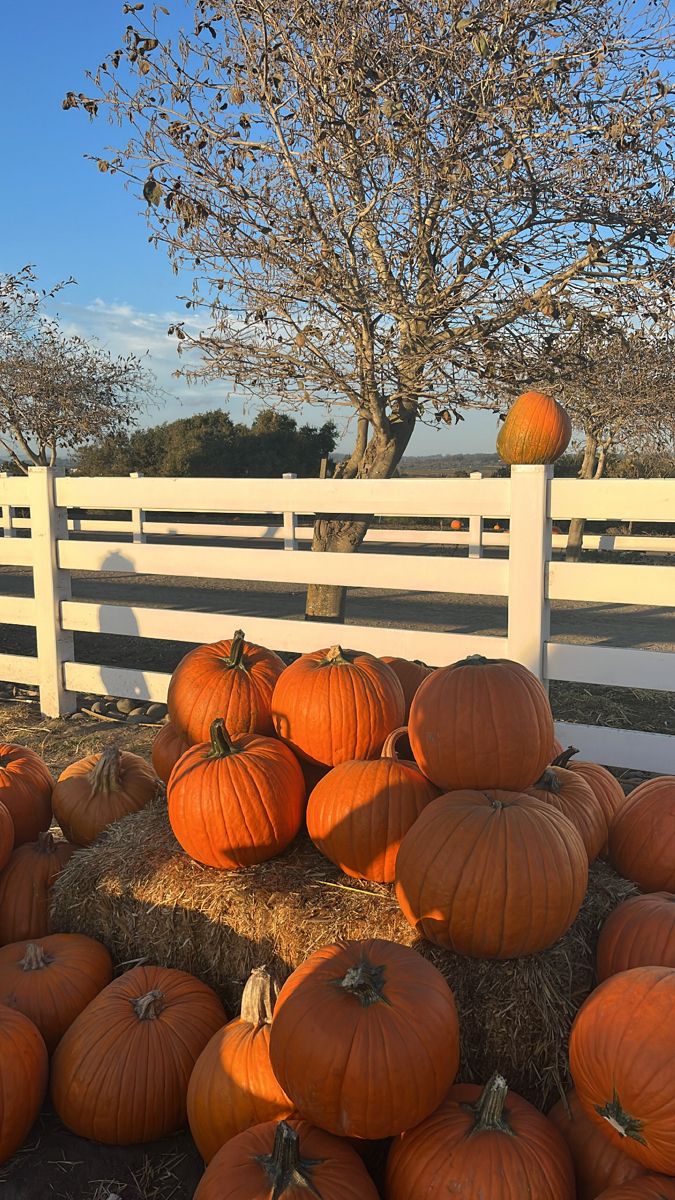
[[575, 536]]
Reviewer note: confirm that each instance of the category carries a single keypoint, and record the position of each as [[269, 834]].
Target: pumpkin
[[639, 933], [456, 524], [647, 1187], [23, 1078], [53, 980], [167, 748], [642, 836], [286, 1162], [481, 723], [491, 874], [597, 1163], [233, 679], [571, 795], [236, 802], [410, 673], [537, 430], [335, 705], [6, 835], [100, 789], [120, 1072], [25, 886], [359, 812], [26, 790], [605, 786], [622, 1061], [233, 1085], [481, 1144], [365, 1038]]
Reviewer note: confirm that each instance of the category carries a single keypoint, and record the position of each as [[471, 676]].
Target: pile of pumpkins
[[446, 783]]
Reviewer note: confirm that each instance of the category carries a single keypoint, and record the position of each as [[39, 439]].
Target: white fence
[[530, 501]]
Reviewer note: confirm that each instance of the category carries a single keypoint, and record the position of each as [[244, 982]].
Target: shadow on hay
[[136, 891]]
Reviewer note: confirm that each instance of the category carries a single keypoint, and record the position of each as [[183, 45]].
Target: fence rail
[[529, 577]]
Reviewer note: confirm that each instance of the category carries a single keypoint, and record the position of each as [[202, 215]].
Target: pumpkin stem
[[259, 997], [489, 1110], [549, 782], [221, 746], [45, 843], [336, 657], [615, 1115], [474, 660], [105, 775], [149, 1006], [236, 649], [284, 1167], [35, 958], [365, 981], [390, 748], [563, 759]]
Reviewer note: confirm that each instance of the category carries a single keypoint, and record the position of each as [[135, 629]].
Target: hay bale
[[137, 892]]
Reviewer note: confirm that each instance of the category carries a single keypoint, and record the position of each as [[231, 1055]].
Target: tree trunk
[[575, 536]]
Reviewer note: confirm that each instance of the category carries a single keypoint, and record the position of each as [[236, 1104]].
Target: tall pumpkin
[[167, 748], [491, 874], [605, 786], [647, 1187], [642, 836], [365, 1038], [233, 1086], [410, 674], [335, 705], [237, 801], [23, 1078], [53, 980], [26, 790], [597, 1163], [639, 933], [481, 1144], [233, 679], [481, 723], [622, 1060], [25, 887], [286, 1161], [6, 835], [359, 812], [100, 789], [571, 795], [120, 1073], [537, 430]]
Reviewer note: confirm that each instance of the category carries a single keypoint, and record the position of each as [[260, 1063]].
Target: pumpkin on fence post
[[536, 430]]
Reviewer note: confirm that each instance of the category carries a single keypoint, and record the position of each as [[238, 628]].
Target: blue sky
[[60, 213]]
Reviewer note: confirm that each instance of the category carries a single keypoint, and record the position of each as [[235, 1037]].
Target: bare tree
[[375, 198], [57, 391]]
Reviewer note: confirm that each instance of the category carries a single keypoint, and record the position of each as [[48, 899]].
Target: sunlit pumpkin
[[537, 430]]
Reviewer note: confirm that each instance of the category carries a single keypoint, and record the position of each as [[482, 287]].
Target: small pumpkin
[[167, 748], [53, 980], [120, 1072], [537, 430], [622, 1061], [233, 1086], [237, 801], [286, 1161], [335, 705], [639, 933], [455, 524], [233, 679], [647, 1187], [410, 674], [642, 836], [365, 1038], [24, 1068], [359, 812], [597, 1163], [571, 795], [96, 791], [25, 886], [26, 790], [481, 1143], [481, 723], [6, 835], [531, 855]]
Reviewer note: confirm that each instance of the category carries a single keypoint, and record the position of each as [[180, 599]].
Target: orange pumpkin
[[481, 1145], [120, 1072], [6, 835], [359, 812], [481, 723], [410, 674], [605, 786], [236, 802], [335, 705], [622, 1060], [25, 886], [233, 1085], [571, 795], [26, 790], [24, 1069], [597, 1163], [455, 524], [167, 748], [639, 933], [53, 980], [537, 430], [642, 836], [491, 874], [233, 680], [365, 1038], [100, 789], [647, 1187]]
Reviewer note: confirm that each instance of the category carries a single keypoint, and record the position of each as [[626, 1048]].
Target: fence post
[[137, 515], [529, 554], [476, 527], [8, 529], [290, 542], [51, 585]]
